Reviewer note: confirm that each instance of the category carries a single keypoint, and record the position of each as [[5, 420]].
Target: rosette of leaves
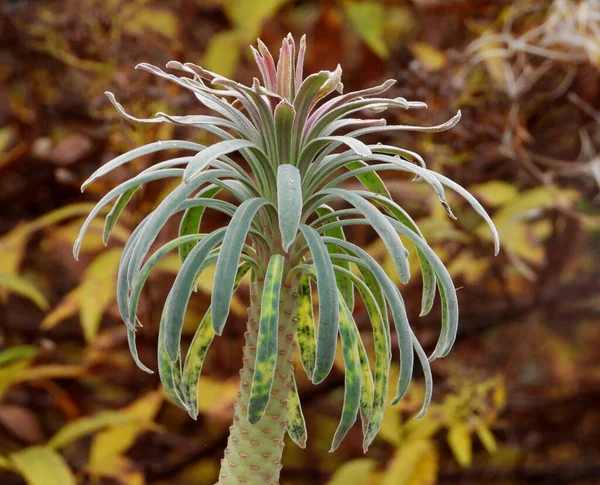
[[287, 145]]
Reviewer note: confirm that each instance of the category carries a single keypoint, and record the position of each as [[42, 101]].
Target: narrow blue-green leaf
[[142, 277], [397, 307], [475, 204], [138, 152], [181, 291], [122, 286], [202, 159], [344, 283], [229, 257], [426, 373], [381, 225], [428, 275], [115, 212], [266, 345], [284, 120], [133, 350], [353, 378], [306, 326], [447, 292], [190, 223], [158, 218], [328, 304], [371, 180], [289, 203], [354, 144], [121, 189], [296, 426]]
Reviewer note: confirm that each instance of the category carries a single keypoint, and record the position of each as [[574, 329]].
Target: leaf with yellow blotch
[[459, 440], [368, 20], [21, 286], [415, 463], [355, 472], [40, 465], [92, 297], [110, 444]]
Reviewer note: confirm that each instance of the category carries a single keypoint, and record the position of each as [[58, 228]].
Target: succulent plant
[[295, 143]]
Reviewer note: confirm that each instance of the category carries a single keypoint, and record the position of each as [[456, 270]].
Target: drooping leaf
[[352, 373], [295, 424], [328, 304], [229, 257], [266, 346], [306, 326]]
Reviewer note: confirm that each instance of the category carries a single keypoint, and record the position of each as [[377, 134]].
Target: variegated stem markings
[[253, 453]]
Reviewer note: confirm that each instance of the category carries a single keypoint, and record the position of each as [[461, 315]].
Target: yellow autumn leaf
[[87, 425], [415, 463], [495, 193], [21, 286], [216, 397], [368, 20], [430, 58], [248, 17], [13, 243], [112, 443], [92, 297], [159, 20], [356, 472], [40, 465], [486, 437], [459, 440], [223, 53]]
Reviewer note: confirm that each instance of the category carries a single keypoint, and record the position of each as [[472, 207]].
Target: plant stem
[[253, 453]]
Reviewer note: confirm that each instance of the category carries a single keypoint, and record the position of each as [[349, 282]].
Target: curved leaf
[[138, 152], [181, 291], [381, 225], [202, 159]]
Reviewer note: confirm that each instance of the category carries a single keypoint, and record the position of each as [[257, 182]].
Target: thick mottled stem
[[253, 453]]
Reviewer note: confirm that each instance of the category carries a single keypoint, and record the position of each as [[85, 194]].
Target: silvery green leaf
[[289, 203], [139, 152], [202, 159], [181, 291], [229, 257]]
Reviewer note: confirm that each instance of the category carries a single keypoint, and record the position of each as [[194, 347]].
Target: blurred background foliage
[[513, 402]]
